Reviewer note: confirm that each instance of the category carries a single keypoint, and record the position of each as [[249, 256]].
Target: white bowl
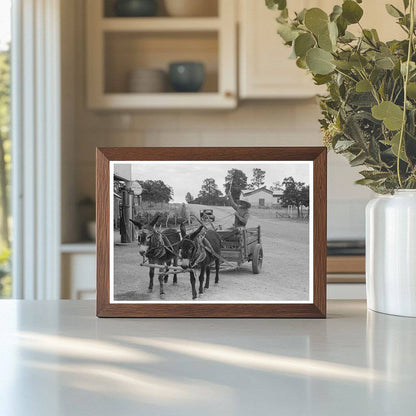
[[92, 230], [146, 80], [191, 8]]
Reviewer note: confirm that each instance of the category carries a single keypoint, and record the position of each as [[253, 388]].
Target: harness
[[202, 246], [159, 245]]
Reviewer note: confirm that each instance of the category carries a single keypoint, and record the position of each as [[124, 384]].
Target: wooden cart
[[242, 245]]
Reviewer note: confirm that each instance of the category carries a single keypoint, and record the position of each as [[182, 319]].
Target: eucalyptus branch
[[346, 63], [406, 80], [346, 75], [373, 89]]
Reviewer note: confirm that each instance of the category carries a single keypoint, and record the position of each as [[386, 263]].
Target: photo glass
[[211, 232]]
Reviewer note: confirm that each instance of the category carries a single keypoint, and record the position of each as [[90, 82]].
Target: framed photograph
[[211, 232]]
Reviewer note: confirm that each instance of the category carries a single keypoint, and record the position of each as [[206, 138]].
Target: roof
[[254, 191]]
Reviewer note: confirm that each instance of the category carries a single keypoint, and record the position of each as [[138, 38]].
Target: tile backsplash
[[253, 123], [285, 123]]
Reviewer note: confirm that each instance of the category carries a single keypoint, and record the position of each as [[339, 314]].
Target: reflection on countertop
[[63, 360]]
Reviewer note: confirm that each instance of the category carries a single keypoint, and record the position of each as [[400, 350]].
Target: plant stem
[[345, 75], [406, 80]]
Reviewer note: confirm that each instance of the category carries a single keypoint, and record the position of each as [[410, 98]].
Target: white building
[[278, 195], [259, 198]]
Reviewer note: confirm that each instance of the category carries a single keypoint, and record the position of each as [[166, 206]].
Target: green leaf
[[394, 144], [316, 20], [336, 12], [364, 181], [342, 25], [375, 35], [286, 32], [358, 61], [361, 99], [406, 4], [412, 67], [385, 63], [374, 150], [348, 37], [300, 17], [321, 79], [303, 43], [333, 32], [368, 36], [363, 86], [276, 4], [325, 43], [374, 175], [354, 131], [351, 11], [319, 61], [343, 65], [411, 90], [358, 160], [391, 114], [393, 11], [301, 63], [284, 14], [343, 145]]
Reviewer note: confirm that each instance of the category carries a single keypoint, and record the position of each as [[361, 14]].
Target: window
[[5, 159], [261, 202]]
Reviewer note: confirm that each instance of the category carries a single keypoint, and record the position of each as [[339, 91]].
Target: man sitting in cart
[[241, 211]]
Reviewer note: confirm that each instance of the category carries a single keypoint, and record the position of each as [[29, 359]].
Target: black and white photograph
[[207, 231]]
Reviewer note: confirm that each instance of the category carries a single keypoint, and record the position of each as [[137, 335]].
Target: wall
[[256, 123]]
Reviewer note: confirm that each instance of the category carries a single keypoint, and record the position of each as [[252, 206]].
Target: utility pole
[[126, 216]]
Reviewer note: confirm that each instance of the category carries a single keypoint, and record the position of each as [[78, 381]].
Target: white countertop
[[56, 358]]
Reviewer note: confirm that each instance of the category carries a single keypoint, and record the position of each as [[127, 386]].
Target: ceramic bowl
[[186, 76], [147, 80], [136, 8]]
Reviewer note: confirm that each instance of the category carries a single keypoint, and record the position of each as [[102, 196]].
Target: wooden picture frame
[[316, 308]]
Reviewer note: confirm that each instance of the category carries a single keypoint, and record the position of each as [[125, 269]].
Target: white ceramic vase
[[391, 253]]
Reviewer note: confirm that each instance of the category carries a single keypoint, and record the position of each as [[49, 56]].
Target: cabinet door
[[265, 68]]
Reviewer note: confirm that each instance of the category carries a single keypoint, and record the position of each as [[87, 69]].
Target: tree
[[304, 196], [277, 186], [156, 191], [258, 178], [5, 160], [189, 198], [295, 193], [209, 193], [236, 180]]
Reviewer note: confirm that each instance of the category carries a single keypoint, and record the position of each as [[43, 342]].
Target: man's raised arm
[[233, 204]]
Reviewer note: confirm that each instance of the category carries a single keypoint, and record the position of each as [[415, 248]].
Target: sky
[[188, 177], [5, 21]]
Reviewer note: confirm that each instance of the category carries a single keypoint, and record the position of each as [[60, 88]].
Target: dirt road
[[284, 276]]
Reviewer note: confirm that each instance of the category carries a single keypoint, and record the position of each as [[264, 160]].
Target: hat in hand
[[244, 204]]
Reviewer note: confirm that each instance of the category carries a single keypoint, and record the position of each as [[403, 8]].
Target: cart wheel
[[257, 260]]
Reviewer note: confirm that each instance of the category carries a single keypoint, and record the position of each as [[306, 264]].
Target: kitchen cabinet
[[78, 263], [265, 70], [116, 46]]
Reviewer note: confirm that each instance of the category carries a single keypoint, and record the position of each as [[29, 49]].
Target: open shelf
[[116, 46], [127, 51], [194, 101], [160, 24], [211, 9]]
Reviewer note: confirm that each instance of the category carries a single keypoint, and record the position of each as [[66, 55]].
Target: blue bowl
[[186, 76], [136, 8]]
